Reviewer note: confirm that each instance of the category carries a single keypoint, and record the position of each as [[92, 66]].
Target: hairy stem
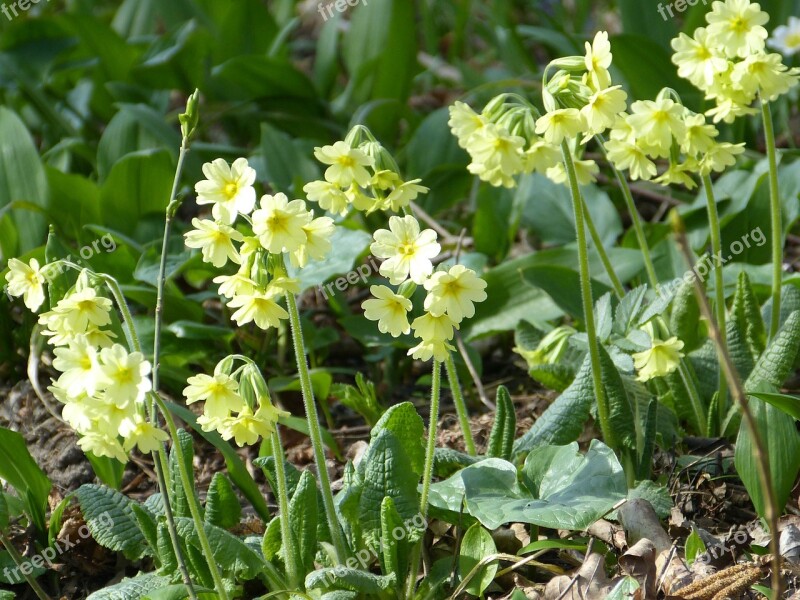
[[775, 218], [619, 291], [461, 407], [314, 429], [719, 288], [283, 510], [603, 412]]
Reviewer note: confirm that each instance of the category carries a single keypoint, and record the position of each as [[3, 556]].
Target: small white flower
[[786, 38]]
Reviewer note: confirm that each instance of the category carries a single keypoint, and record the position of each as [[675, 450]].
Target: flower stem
[[619, 291], [191, 499], [603, 412], [19, 561], [283, 509], [719, 288], [775, 219], [314, 429], [461, 407], [427, 473]]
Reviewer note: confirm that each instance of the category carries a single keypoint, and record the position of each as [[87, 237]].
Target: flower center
[[739, 25], [230, 190], [346, 161]]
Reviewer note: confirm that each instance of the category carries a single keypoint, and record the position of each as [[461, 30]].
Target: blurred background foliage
[[90, 91]]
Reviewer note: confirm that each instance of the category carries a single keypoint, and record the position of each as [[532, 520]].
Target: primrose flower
[[603, 107], [404, 193], [737, 26], [390, 310], [219, 391], [79, 366], [329, 196], [719, 157], [103, 445], [656, 122], [279, 223], [78, 311], [215, 241], [407, 250], [454, 292], [146, 436], [318, 241], [629, 155], [26, 281], [436, 349], [559, 124], [585, 171], [496, 155], [597, 60], [347, 164], [259, 307], [228, 188], [465, 122], [698, 58], [247, 428], [699, 136], [428, 328], [766, 74], [661, 359], [541, 156], [235, 285], [786, 38], [126, 374]]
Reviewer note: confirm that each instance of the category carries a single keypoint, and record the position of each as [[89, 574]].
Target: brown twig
[[740, 398]]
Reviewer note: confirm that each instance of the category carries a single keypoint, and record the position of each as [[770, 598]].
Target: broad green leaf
[[286, 166], [222, 506], [657, 23], [22, 178], [501, 439], [347, 578], [476, 545], [244, 78], [147, 524], [303, 521], [788, 404], [562, 422], [694, 546], [178, 592], [111, 521], [447, 461], [745, 311], [777, 361], [387, 473], [404, 422], [563, 286], [18, 468], [391, 553], [685, 320], [620, 406], [178, 495], [77, 201], [231, 553], [348, 245], [134, 588], [573, 492]]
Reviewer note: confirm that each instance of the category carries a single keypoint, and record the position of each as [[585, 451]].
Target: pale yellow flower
[[465, 122], [146, 436], [219, 391], [347, 164], [656, 122], [559, 124], [259, 307], [407, 250], [279, 223], [215, 240], [737, 26], [26, 281], [390, 310], [630, 156], [228, 188], [603, 107], [661, 359], [428, 328], [318, 241], [597, 60], [126, 374], [329, 196], [698, 58], [497, 155], [454, 292]]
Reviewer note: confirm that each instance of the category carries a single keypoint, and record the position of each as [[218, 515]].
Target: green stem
[[461, 407], [694, 397], [427, 473], [191, 500], [636, 220], [603, 412], [619, 291], [719, 287], [19, 561], [282, 495], [775, 219], [314, 429]]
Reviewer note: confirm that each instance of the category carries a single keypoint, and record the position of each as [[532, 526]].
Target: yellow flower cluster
[[664, 128], [236, 404], [360, 174], [102, 385], [451, 294], [728, 60], [278, 226]]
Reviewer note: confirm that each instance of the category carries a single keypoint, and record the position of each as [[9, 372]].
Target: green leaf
[[139, 184], [387, 473], [236, 469], [134, 588], [476, 545], [562, 422], [244, 78], [19, 469], [571, 490], [563, 286], [178, 495], [777, 361], [685, 320], [619, 404], [501, 439], [147, 525], [111, 521], [782, 445], [391, 553], [788, 404], [286, 166], [178, 592], [3, 511], [747, 315], [694, 546], [303, 521], [22, 178], [230, 553], [404, 422], [347, 578], [222, 506], [447, 461], [349, 245]]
